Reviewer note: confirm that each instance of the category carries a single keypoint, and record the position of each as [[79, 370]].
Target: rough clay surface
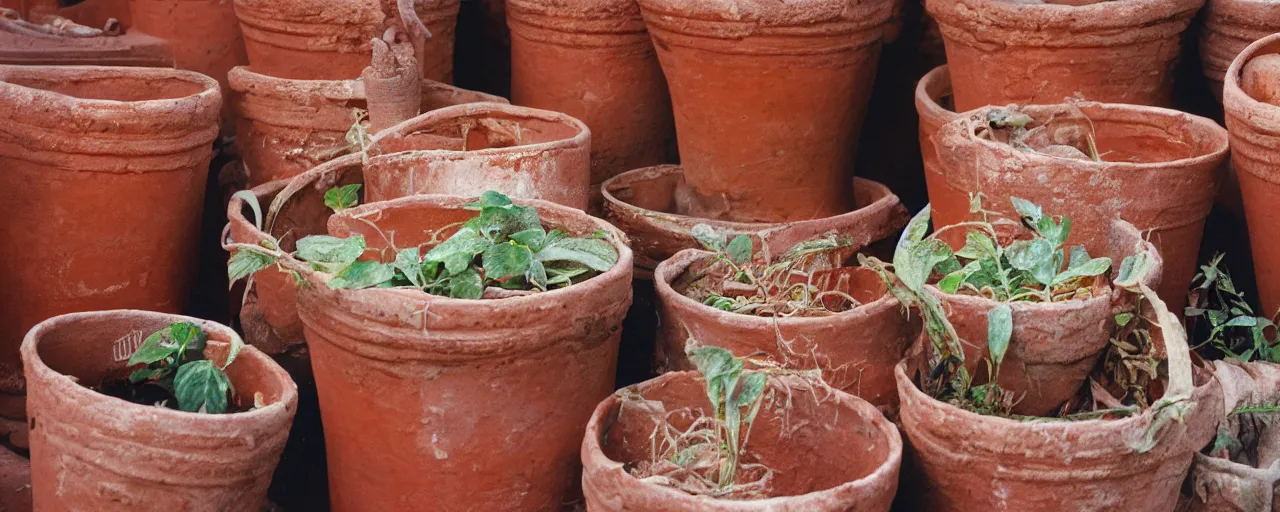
[[1004, 52], [468, 149], [448, 389], [94, 452], [109, 145], [1229, 27], [1221, 485], [795, 433], [933, 107], [793, 77], [1160, 170]]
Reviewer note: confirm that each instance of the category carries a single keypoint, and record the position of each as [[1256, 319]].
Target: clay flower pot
[[593, 60], [287, 126], [647, 205], [468, 149], [330, 40], [1222, 484], [472, 384], [966, 461], [856, 349], [1229, 27], [91, 451], [934, 107], [1002, 52], [111, 166], [41, 39], [1160, 172], [1254, 127], [769, 100], [797, 442], [203, 36]]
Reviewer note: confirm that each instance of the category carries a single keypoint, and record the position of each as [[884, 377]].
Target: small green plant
[[736, 280], [173, 359], [707, 457], [504, 246], [1220, 318], [341, 198]]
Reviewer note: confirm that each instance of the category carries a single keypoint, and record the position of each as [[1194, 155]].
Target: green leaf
[[750, 389], [1036, 257], [717, 366], [499, 223], [1054, 231], [199, 385], [466, 285], [914, 265], [409, 266], [917, 228], [362, 274], [246, 262], [328, 253], [490, 199], [465, 244], [1027, 210], [977, 245], [146, 374], [458, 262], [951, 282], [563, 273], [739, 249], [1079, 256], [341, 198], [1123, 319], [531, 238], [164, 343], [1093, 267], [537, 275], [597, 255], [1132, 269], [711, 239], [506, 260], [999, 330]]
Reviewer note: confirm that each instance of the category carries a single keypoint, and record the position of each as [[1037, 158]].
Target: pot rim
[[676, 265], [242, 80], [566, 14], [591, 449], [982, 15], [1217, 136], [268, 413], [796, 17], [1236, 101], [1246, 13], [933, 86], [441, 116], [197, 106]]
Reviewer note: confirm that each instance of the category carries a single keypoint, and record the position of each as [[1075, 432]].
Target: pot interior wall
[[1138, 139], [117, 88], [795, 434], [486, 130]]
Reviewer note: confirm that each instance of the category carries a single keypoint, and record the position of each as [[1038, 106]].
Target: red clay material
[[1255, 135], [110, 164], [34, 40], [90, 451], [856, 349], [1002, 51], [418, 388], [934, 106], [1160, 171], [468, 149], [593, 60], [202, 34], [1222, 484], [330, 40], [648, 205], [1229, 27], [769, 99], [798, 441], [285, 127]]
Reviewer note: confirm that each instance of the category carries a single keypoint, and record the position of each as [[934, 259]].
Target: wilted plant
[[1219, 317]]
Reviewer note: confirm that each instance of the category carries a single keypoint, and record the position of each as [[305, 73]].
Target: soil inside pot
[[1078, 137], [147, 393]]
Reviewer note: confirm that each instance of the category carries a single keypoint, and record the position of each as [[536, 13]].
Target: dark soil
[[146, 393]]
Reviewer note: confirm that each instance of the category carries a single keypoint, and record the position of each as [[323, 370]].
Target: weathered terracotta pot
[[33, 40], [856, 350], [111, 163], [795, 440], [474, 382], [1229, 27], [933, 105], [90, 451], [647, 204], [593, 60], [202, 34], [966, 461], [1002, 52], [287, 126], [769, 100], [1161, 171], [1220, 484], [468, 149], [15, 473], [328, 40], [1054, 345], [1255, 135]]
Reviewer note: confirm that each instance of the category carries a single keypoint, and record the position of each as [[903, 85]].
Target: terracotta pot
[[473, 382], [1254, 126], [1161, 172], [593, 60], [795, 440], [933, 105], [793, 78], [1004, 52], [1230, 26], [15, 473], [327, 40], [647, 205], [856, 350], [90, 451], [1220, 484], [287, 126], [468, 149], [1054, 345], [111, 163], [21, 43]]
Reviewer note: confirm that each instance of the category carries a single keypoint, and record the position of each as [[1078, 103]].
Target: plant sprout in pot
[[174, 372], [1014, 321]]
